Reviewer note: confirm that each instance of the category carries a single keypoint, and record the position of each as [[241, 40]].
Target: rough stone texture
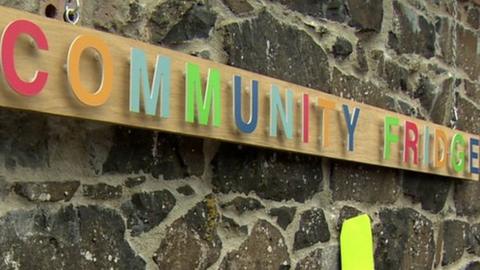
[[232, 226], [467, 52], [473, 266], [264, 249], [347, 212], [83, 237], [313, 229], [242, 205], [267, 46], [418, 58], [453, 235], [186, 190], [334, 10], [430, 191], [404, 240], [473, 240], [191, 153], [395, 76], [363, 183], [327, 258], [46, 191], [146, 210], [165, 16], [29, 147], [191, 242], [196, 23], [342, 48], [366, 21], [350, 87], [238, 7], [284, 215], [469, 114], [102, 191], [141, 150], [466, 197], [413, 34], [265, 173], [135, 181]]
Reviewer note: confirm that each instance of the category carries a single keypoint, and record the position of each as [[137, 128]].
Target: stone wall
[[83, 195]]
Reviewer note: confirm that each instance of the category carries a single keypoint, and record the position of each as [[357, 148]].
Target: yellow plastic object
[[356, 244]]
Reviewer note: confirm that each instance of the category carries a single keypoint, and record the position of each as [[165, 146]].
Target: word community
[[294, 118]]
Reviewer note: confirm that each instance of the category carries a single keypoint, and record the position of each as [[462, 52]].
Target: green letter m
[[194, 97]]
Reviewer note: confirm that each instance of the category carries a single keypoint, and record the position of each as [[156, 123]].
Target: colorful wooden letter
[[473, 160], [327, 107], [286, 112], [351, 125], [439, 149], [389, 138], [410, 142], [457, 158], [9, 39], [83, 94], [251, 125], [160, 86], [194, 98], [305, 118]]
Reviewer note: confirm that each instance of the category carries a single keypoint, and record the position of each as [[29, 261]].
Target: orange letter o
[[81, 43]]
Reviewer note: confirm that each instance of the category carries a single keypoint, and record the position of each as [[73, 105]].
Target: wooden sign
[[60, 69]]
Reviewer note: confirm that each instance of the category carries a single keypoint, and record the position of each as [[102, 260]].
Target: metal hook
[[72, 12]]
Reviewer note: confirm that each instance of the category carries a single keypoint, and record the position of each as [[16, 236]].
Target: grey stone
[[135, 181], [347, 212], [165, 16], [364, 183], [468, 116], [396, 76], [230, 225], [239, 7], [271, 175], [405, 240], [191, 242], [350, 87], [334, 10], [267, 46], [466, 198], [313, 228], [467, 52], [473, 240], [147, 210], [191, 153], [285, 215], [342, 48], [25, 5], [29, 147], [120, 17], [46, 191], [242, 205], [430, 191], [414, 34], [186, 190], [361, 58], [473, 266], [453, 234], [196, 23], [136, 150], [264, 249], [102, 191], [321, 259], [366, 15], [82, 237]]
